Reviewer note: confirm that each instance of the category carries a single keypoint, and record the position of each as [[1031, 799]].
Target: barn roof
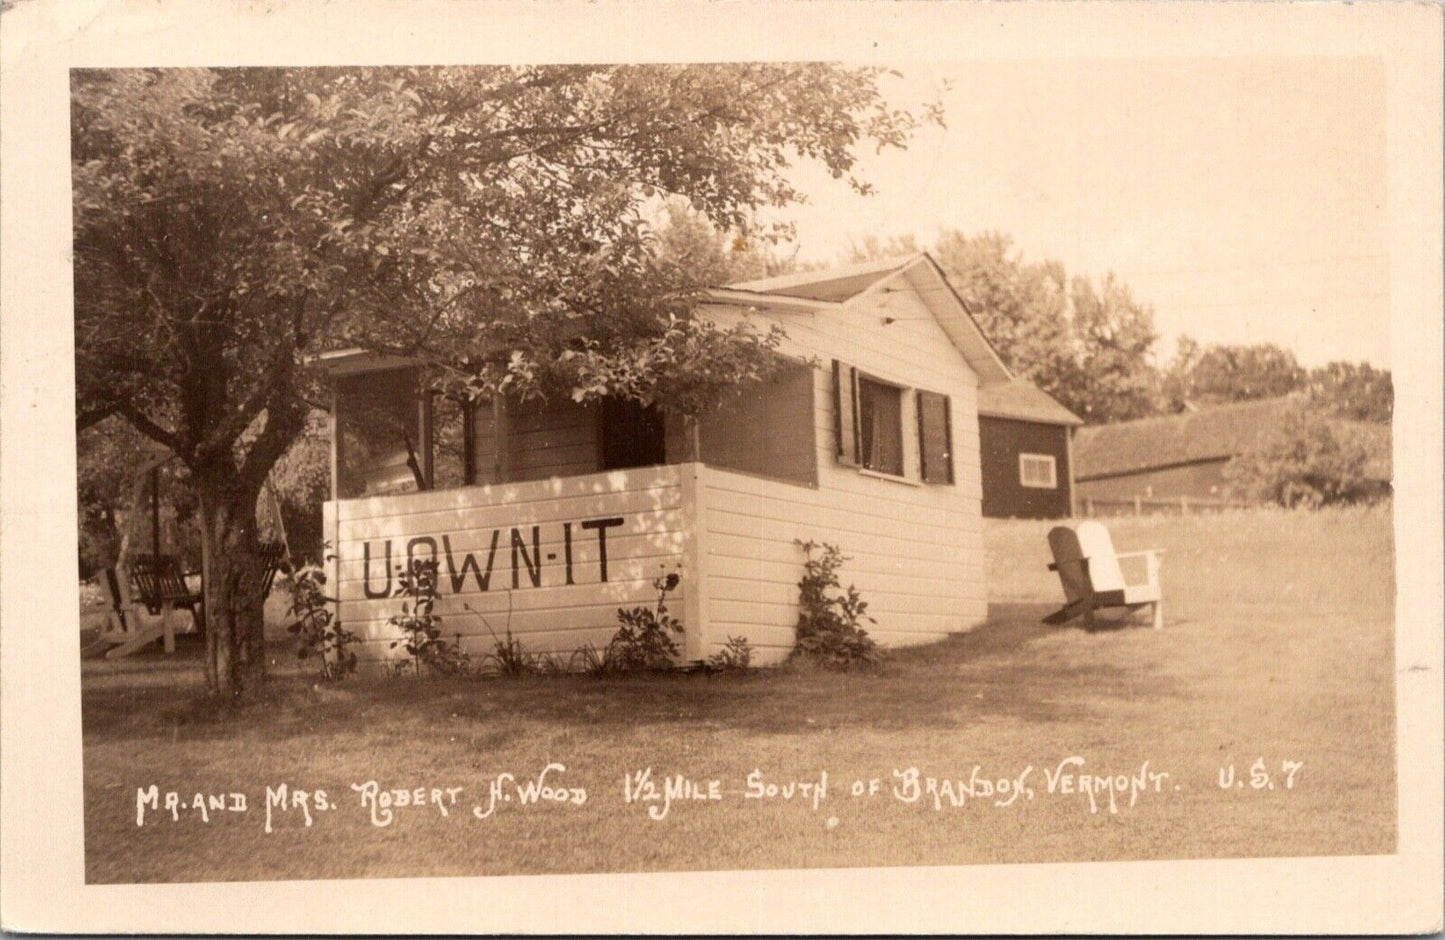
[[1215, 433], [842, 284], [1022, 400]]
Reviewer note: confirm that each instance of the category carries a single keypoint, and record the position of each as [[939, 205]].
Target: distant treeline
[[1088, 343]]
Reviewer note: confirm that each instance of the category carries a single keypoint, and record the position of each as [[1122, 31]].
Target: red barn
[[1026, 453]]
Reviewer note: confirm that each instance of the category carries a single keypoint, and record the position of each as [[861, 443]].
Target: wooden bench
[[160, 587]]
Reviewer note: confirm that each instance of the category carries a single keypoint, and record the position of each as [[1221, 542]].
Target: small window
[[1038, 471], [880, 427]]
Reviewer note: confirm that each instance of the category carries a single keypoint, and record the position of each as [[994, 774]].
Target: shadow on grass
[[985, 674]]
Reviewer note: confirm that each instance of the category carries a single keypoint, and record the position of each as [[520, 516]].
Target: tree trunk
[[234, 608]]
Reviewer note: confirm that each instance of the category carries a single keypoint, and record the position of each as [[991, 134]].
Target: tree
[[707, 255], [1307, 460], [1022, 308], [1175, 394], [873, 248], [1223, 373], [1359, 392], [230, 223], [1112, 378]]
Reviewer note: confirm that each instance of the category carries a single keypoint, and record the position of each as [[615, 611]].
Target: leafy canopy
[[231, 222]]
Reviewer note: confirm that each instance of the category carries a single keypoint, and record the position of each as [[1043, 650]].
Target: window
[[767, 430], [451, 462], [633, 435], [378, 441], [1038, 471], [880, 427], [935, 438]]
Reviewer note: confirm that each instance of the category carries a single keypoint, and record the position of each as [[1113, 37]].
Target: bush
[[829, 616], [644, 642], [735, 656], [317, 631], [1307, 461], [421, 625], [510, 659]]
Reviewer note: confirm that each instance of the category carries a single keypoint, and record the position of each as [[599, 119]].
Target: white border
[[40, 784]]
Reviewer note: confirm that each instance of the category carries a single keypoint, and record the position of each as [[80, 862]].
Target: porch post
[[501, 425], [694, 565], [331, 553], [425, 433], [335, 442], [156, 511]]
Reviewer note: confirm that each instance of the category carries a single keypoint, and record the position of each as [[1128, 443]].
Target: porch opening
[[393, 436]]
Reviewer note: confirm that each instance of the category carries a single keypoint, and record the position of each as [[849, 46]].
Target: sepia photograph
[[620, 466]]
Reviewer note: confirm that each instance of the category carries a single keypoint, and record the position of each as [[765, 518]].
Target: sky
[[1243, 198]]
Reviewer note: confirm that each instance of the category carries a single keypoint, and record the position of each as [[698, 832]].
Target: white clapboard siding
[[553, 616], [915, 551]]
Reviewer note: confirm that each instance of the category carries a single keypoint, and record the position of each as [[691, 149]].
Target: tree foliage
[[708, 255], [1224, 373], [229, 223], [1087, 345], [1307, 460], [1357, 392]]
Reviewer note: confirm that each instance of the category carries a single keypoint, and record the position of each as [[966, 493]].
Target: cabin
[[1025, 443], [1178, 461], [547, 516]]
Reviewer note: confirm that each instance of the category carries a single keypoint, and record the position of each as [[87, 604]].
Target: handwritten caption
[[657, 795]]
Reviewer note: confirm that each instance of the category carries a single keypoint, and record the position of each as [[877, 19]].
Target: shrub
[[421, 625], [644, 641], [736, 655], [317, 631], [1308, 460], [829, 615]]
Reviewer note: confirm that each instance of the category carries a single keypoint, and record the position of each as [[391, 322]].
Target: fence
[[1090, 506]]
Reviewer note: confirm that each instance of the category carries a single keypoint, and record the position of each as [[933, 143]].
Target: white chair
[[1093, 577]]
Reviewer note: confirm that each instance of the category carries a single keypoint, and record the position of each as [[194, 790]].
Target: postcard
[[734, 467]]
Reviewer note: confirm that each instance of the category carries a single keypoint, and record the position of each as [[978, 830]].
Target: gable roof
[[1021, 400], [833, 284], [837, 286], [816, 291], [1215, 433]]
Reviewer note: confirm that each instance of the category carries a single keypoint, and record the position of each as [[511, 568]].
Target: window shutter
[[935, 437], [845, 411]]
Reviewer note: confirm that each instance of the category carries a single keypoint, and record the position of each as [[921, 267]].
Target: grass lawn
[[1278, 645]]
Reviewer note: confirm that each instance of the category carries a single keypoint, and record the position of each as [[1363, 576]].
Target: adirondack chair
[[1093, 577]]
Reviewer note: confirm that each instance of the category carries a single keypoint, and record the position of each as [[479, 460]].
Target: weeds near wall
[[317, 631], [736, 655], [829, 615], [421, 625]]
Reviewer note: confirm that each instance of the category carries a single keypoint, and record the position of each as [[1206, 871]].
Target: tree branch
[[143, 423]]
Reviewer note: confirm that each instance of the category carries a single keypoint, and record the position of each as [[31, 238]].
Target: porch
[[552, 560]]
